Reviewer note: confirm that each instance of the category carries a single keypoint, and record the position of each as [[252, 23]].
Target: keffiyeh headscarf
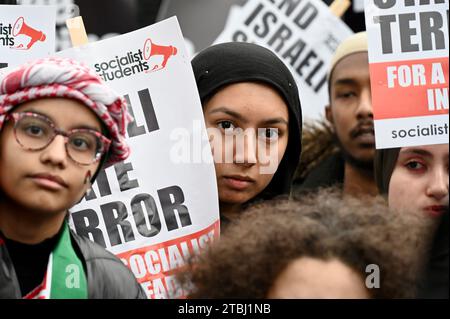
[[67, 78]]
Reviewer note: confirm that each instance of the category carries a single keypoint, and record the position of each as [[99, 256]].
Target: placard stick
[[338, 7], [77, 31]]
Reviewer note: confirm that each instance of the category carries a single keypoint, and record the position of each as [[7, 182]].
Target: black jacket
[[107, 276]]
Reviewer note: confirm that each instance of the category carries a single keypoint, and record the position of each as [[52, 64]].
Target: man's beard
[[364, 165]]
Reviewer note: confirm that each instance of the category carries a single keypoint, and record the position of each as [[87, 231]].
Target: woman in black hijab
[[253, 115]]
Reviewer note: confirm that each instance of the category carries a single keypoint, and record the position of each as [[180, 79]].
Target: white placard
[[160, 205], [26, 33], [408, 58]]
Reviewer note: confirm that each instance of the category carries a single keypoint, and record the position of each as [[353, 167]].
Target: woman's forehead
[[249, 97], [426, 150]]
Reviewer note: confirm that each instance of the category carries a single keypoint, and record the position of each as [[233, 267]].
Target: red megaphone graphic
[[151, 49], [20, 27]]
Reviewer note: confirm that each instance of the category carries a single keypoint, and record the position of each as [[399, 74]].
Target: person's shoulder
[[107, 276], [92, 250]]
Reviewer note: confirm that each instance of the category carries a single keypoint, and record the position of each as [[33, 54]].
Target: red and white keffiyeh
[[62, 77]]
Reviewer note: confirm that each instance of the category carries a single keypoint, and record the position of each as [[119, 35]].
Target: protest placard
[[304, 34], [26, 33], [408, 56], [160, 206]]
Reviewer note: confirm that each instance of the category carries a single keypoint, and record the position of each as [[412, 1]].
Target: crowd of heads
[[60, 125], [318, 246]]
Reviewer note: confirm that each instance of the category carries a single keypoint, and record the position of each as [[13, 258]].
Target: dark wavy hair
[[246, 261]]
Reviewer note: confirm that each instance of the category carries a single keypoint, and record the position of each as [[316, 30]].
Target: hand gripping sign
[[408, 56], [26, 33], [153, 210]]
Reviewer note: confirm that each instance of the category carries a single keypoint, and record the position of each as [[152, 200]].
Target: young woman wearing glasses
[[59, 124]]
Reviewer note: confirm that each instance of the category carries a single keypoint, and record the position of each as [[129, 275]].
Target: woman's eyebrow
[[278, 120], [416, 151], [81, 126], [87, 127], [229, 112], [31, 110]]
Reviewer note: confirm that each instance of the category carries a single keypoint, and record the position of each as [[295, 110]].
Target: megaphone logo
[[20, 27], [151, 49]]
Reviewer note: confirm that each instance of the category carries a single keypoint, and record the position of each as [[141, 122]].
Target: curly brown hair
[[255, 250]]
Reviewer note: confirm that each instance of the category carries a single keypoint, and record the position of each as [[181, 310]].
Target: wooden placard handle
[[338, 7], [77, 31]]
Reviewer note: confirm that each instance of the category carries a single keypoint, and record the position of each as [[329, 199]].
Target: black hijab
[[235, 62]]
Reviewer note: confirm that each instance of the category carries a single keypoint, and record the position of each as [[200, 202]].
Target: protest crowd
[[281, 161]]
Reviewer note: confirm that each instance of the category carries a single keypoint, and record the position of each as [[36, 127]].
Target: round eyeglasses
[[35, 132]]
